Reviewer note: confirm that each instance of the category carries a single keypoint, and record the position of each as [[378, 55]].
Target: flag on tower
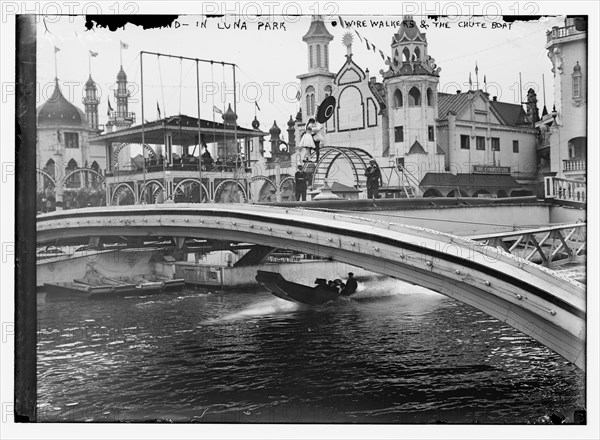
[[56, 49], [476, 68], [110, 109], [124, 45], [93, 54], [217, 110], [158, 110], [470, 81], [382, 55], [256, 104]]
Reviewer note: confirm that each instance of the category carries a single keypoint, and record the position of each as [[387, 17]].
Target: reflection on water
[[392, 354]]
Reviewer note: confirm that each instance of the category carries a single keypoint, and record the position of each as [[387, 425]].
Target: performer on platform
[[311, 138]]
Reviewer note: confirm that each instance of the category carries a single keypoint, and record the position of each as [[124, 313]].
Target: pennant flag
[[56, 49], [256, 104], [93, 54], [341, 21], [217, 110], [298, 96], [484, 80], [158, 110], [124, 45], [110, 109], [476, 68], [470, 81], [368, 45], [382, 55]]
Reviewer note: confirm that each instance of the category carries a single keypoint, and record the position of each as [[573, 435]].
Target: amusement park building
[[425, 142]]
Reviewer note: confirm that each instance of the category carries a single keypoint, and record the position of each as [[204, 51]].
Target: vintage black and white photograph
[[309, 214]]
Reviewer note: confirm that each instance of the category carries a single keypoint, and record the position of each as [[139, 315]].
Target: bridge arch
[[357, 159], [148, 148], [47, 178], [156, 191], [189, 186], [266, 192], [535, 300], [230, 191], [85, 171], [123, 194]]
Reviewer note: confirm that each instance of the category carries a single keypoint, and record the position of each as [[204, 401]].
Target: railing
[[574, 165], [115, 116], [544, 245], [564, 189], [561, 32]]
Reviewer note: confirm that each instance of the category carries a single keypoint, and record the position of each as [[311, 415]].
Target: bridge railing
[[543, 245], [565, 189]]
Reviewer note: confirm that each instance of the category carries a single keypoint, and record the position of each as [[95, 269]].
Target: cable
[[162, 92]]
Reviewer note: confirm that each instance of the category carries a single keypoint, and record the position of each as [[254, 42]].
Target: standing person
[[307, 141], [351, 285], [301, 180], [317, 134], [374, 180]]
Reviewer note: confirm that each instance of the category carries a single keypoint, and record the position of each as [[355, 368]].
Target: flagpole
[[90, 62], [121, 52], [55, 64], [199, 133], [476, 76], [143, 120]]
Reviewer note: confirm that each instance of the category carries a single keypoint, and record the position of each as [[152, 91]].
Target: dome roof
[[291, 123], [577, 68], [275, 131], [255, 123], [90, 83], [229, 117], [57, 110]]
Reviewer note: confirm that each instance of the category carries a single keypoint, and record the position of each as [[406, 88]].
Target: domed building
[[65, 159]]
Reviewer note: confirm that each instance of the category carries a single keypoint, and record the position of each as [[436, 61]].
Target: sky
[[269, 60]]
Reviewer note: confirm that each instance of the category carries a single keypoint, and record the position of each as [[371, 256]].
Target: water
[[394, 354]]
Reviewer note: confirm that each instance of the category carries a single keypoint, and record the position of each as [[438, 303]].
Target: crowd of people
[[338, 286]]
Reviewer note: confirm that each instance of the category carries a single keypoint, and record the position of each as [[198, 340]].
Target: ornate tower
[[91, 101], [411, 89], [121, 118], [275, 131], [313, 83], [291, 134]]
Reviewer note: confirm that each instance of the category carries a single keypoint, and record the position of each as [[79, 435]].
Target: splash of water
[[273, 306]]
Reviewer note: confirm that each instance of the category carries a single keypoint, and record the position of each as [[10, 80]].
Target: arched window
[[310, 56], [397, 98], [318, 55], [326, 55], [405, 55], [417, 53], [310, 101], [396, 57], [429, 97], [414, 97], [95, 179], [50, 168], [73, 181], [328, 90]]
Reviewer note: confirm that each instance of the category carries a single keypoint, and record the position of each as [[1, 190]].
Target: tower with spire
[[411, 83], [313, 84], [121, 118], [91, 101]]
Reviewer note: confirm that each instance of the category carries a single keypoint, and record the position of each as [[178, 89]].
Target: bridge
[[533, 299]]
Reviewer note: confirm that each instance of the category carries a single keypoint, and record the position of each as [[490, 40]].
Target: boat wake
[[268, 307], [388, 288]]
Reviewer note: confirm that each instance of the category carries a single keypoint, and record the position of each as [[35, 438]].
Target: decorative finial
[[347, 41]]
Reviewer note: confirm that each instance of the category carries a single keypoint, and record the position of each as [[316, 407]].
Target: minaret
[[121, 118], [91, 102], [313, 83], [291, 134], [275, 131], [411, 88]]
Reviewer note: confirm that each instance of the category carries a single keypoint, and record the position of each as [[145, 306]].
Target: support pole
[[143, 121], [199, 132]]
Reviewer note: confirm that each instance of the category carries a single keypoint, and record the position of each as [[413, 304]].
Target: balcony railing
[[561, 32], [574, 165], [120, 116], [565, 189]]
